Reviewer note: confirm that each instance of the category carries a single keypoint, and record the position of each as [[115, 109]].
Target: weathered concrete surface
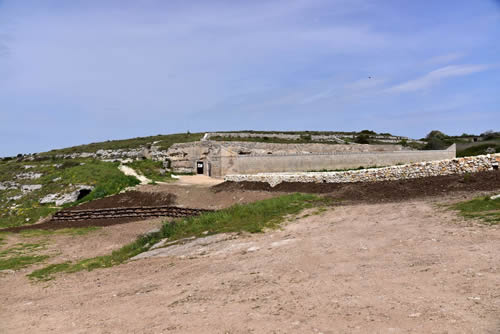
[[317, 162], [222, 158]]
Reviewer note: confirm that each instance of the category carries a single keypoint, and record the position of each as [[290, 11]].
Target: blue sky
[[74, 72]]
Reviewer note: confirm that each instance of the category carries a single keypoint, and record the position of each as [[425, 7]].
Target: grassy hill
[[162, 141], [20, 193]]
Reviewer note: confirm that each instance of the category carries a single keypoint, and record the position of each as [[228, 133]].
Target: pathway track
[[129, 171]]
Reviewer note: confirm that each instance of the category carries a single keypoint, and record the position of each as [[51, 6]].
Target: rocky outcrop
[[408, 171], [29, 176], [64, 198]]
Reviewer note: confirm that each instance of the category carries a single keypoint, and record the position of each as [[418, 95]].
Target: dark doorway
[[199, 167], [83, 193]]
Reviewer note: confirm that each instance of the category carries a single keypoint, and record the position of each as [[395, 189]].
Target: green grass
[[165, 141], [150, 169], [72, 231], [20, 255], [18, 262], [477, 150], [484, 209], [253, 218], [58, 176]]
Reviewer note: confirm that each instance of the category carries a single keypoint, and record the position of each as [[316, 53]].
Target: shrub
[[362, 139]]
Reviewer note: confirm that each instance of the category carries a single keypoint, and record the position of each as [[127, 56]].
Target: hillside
[[34, 186]]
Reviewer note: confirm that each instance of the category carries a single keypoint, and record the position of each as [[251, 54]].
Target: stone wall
[[287, 136], [408, 171], [334, 138]]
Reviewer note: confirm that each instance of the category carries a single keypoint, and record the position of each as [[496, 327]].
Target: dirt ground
[[377, 192], [405, 267]]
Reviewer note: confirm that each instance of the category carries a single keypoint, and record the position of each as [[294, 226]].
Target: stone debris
[[29, 176], [7, 185], [26, 188], [402, 172], [50, 198], [495, 197]]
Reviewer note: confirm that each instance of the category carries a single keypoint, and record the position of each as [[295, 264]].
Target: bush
[[368, 132], [362, 139], [436, 134]]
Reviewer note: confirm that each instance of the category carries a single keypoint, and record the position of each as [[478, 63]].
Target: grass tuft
[[18, 262], [484, 209]]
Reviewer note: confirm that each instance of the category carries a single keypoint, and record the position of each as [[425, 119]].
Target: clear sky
[[74, 72]]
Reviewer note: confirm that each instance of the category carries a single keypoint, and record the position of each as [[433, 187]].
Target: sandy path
[[388, 268], [130, 171]]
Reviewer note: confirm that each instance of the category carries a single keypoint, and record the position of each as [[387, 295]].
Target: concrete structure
[[217, 159], [410, 171]]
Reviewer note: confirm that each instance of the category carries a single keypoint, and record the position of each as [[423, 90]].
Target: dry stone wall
[[326, 138], [402, 172]]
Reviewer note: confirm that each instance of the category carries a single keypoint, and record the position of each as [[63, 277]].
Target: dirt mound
[[124, 200], [128, 199], [385, 191]]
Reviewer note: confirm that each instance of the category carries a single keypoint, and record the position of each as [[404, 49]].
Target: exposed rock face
[[113, 155], [26, 188], [61, 199], [29, 176], [409, 171], [8, 185], [333, 138]]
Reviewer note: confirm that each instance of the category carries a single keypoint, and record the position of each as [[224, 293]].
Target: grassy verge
[[20, 256], [253, 218], [478, 149], [484, 209], [150, 169], [72, 231]]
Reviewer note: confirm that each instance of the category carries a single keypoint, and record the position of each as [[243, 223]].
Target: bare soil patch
[[199, 197], [128, 199], [376, 192], [407, 267], [203, 197]]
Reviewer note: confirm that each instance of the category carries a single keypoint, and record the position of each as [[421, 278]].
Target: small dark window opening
[[83, 193], [495, 166], [199, 167]]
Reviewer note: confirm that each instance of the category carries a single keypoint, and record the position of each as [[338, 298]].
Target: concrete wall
[[183, 156], [409, 171], [317, 162]]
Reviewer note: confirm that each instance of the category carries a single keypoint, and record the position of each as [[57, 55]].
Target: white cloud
[[434, 77], [446, 58]]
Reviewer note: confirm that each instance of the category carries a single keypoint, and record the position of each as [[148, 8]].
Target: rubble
[[401, 172]]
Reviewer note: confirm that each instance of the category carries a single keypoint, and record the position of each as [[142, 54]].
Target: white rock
[[50, 198], [15, 198], [29, 176], [25, 188]]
